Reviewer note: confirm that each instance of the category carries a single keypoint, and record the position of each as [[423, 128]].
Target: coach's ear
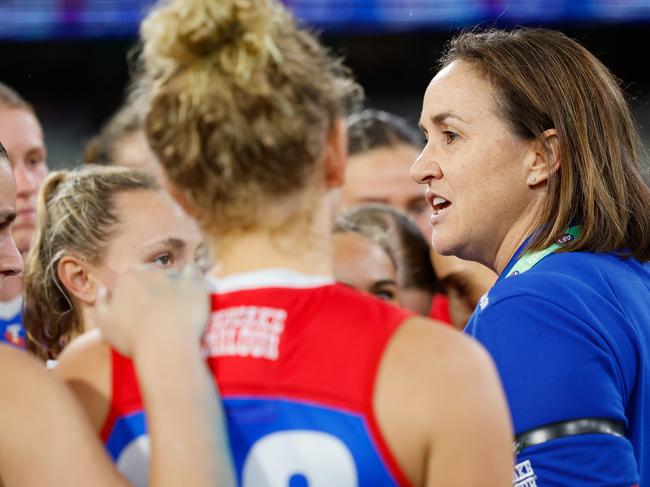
[[544, 160], [75, 277], [336, 153]]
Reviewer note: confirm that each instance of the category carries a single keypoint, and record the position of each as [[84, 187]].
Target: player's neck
[[88, 318], [304, 246], [11, 288], [255, 251]]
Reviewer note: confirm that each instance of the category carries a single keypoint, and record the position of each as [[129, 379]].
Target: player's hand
[[153, 306]]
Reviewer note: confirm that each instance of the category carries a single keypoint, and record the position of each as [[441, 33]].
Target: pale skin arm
[[440, 404], [45, 439], [186, 424]]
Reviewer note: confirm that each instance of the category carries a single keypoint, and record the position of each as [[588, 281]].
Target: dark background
[[76, 82]]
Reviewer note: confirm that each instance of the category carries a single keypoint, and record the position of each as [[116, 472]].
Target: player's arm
[[44, 438], [188, 434], [440, 404], [157, 320]]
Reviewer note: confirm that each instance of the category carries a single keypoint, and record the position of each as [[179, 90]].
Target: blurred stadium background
[[70, 57]]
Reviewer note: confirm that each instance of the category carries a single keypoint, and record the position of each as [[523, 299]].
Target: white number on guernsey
[[321, 459], [134, 461]]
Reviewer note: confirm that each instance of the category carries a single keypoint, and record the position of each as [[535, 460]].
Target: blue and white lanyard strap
[[530, 259]]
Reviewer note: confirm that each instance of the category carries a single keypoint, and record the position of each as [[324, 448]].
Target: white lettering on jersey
[[245, 331], [320, 458], [524, 475]]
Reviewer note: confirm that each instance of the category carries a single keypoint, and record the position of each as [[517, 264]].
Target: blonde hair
[[369, 231], [544, 80], [10, 98], [76, 215], [242, 102]]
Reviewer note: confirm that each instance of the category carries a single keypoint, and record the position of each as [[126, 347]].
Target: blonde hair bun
[[242, 102], [235, 36]]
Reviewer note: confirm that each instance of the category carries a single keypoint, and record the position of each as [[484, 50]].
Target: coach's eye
[[450, 136]]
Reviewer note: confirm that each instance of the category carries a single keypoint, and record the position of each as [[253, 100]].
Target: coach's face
[[475, 169]]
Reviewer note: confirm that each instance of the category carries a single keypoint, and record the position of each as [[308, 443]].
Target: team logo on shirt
[[12, 335], [245, 331], [524, 475]]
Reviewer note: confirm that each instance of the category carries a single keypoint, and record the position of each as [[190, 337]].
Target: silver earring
[[532, 180]]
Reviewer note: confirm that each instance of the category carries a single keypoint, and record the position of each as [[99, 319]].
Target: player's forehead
[[148, 216], [20, 130]]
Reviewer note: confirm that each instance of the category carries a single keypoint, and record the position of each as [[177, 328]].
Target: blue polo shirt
[[571, 339]]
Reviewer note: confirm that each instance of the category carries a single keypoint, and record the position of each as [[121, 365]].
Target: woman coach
[[532, 168]]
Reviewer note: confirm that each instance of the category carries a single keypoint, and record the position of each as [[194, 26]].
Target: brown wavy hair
[[76, 215], [544, 80], [243, 100]]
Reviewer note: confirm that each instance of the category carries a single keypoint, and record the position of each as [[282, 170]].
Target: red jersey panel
[[296, 359]]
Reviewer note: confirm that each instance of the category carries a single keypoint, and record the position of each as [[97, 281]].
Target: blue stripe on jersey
[[286, 442], [126, 429], [12, 331]]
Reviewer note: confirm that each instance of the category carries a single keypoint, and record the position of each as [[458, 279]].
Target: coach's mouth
[[437, 201]]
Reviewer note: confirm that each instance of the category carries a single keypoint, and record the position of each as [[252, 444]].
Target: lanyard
[[531, 258]]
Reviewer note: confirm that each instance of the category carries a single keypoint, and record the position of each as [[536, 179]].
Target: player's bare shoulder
[[85, 367], [437, 389]]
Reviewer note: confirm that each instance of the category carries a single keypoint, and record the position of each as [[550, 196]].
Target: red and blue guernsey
[[296, 359], [11, 328]]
